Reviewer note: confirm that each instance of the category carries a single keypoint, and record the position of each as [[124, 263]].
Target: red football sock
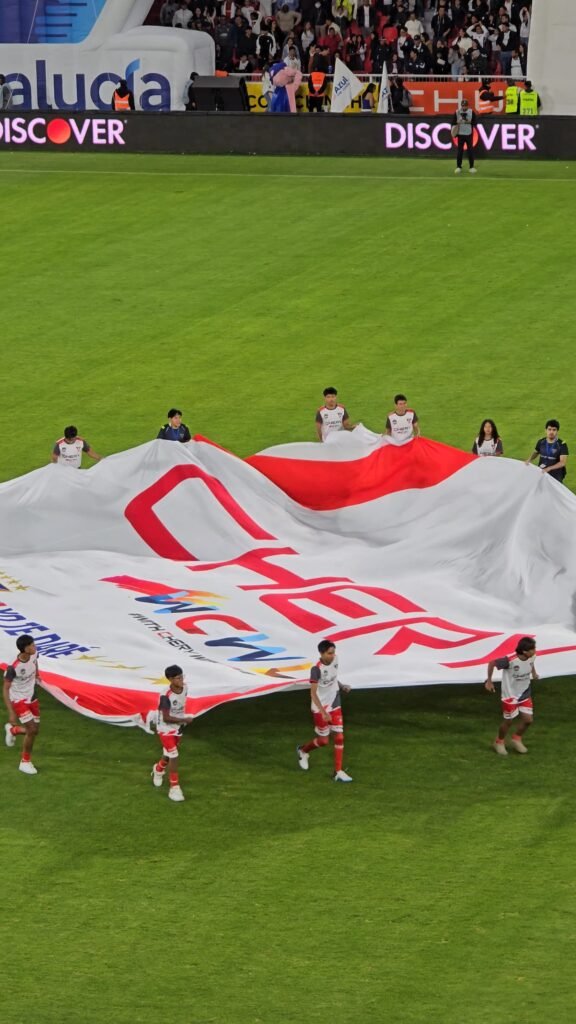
[[517, 736], [25, 756], [338, 756], [159, 767], [17, 730], [313, 745], [173, 778]]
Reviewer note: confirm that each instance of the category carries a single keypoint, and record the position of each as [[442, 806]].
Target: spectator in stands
[[365, 17], [287, 20], [442, 25], [167, 12], [463, 42], [5, 94], [458, 14], [507, 42], [223, 41], [308, 37], [414, 26], [423, 54], [266, 46], [441, 62], [400, 97], [318, 18], [477, 62], [123, 98], [229, 9], [246, 46], [182, 16], [174, 429], [518, 63], [331, 41], [293, 60], [478, 32], [525, 20], [416, 64]]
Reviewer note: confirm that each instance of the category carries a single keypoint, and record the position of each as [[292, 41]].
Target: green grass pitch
[[438, 888]]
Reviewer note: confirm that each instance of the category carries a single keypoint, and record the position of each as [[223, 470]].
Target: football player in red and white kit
[[171, 721], [20, 680], [518, 671], [325, 693], [331, 416], [402, 423]]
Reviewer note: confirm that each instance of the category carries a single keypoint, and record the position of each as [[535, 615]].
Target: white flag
[[384, 97], [345, 87]]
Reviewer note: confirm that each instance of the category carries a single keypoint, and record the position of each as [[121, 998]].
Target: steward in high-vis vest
[[123, 99], [487, 100], [512, 99], [529, 101], [317, 83]]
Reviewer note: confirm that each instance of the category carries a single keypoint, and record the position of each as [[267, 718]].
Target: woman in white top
[[488, 441]]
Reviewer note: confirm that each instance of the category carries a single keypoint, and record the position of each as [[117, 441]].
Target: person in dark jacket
[[174, 430]]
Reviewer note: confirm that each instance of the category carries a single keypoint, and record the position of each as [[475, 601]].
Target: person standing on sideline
[[68, 450], [331, 416], [529, 101], [402, 423], [171, 721], [325, 693], [463, 125], [20, 680], [5, 94], [123, 98], [174, 430], [516, 695], [552, 452], [488, 441]]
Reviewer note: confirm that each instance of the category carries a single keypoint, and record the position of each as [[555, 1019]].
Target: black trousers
[[465, 141]]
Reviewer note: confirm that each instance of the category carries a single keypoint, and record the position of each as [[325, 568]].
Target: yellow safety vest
[[529, 103], [511, 100]]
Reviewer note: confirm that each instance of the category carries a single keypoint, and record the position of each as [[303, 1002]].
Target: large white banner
[[421, 562], [60, 55]]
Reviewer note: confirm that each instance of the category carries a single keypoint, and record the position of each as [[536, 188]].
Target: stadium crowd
[[456, 38]]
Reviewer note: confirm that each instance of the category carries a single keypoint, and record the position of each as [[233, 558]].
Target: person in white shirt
[[182, 17], [517, 674], [414, 26], [331, 416], [69, 449], [488, 441], [402, 423], [172, 719], [326, 705], [19, 692]]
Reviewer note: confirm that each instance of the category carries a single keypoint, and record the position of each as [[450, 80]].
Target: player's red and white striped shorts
[[170, 741], [322, 728], [27, 710], [512, 706]]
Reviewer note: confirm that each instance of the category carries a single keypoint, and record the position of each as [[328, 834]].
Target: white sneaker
[[500, 748], [303, 759], [157, 777], [10, 739], [458, 170], [472, 170], [342, 777], [175, 793], [518, 746], [28, 768]]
